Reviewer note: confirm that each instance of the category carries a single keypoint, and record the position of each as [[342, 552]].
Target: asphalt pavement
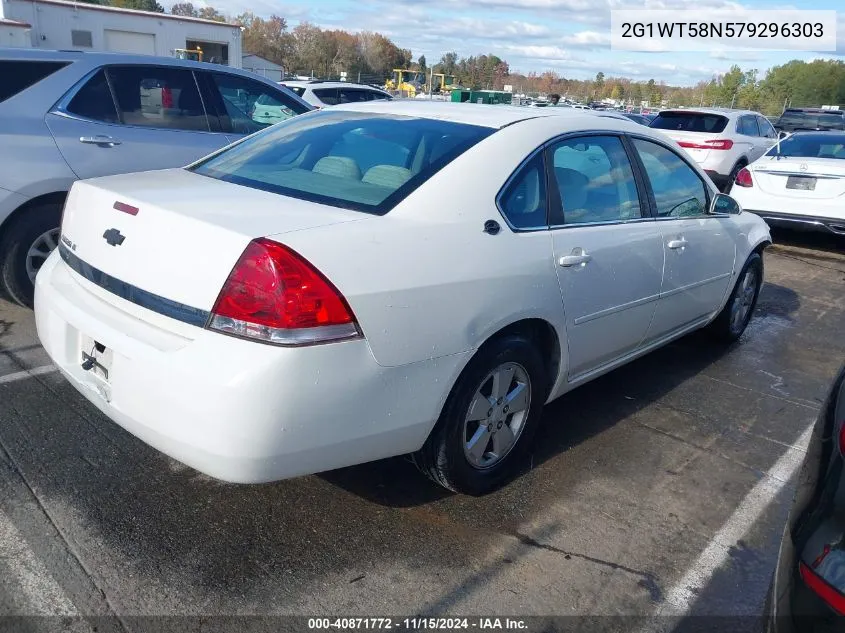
[[659, 488]]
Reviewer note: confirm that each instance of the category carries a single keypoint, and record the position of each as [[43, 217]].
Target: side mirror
[[782, 135], [723, 204]]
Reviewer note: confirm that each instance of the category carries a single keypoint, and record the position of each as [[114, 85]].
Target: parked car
[[808, 589], [799, 183], [642, 119], [296, 303], [721, 141], [69, 115], [328, 93], [794, 119]]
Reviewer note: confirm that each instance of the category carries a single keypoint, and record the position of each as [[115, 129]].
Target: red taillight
[[743, 178], [842, 438], [275, 295], [821, 588], [166, 98], [714, 144]]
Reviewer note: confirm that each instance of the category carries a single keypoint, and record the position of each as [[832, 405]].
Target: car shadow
[[823, 244], [576, 416]]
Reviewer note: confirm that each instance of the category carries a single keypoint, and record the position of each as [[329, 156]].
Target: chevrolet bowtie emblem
[[114, 237]]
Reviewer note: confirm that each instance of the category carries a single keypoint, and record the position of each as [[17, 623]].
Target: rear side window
[[329, 96], [363, 161], [94, 100], [20, 75], [595, 180], [523, 202], [297, 90], [747, 125], [690, 122], [150, 96]]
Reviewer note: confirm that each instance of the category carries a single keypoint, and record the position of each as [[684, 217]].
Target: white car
[[799, 183], [721, 141], [304, 300], [320, 93]]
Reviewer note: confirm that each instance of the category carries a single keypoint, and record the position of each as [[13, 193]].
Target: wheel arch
[[55, 197]]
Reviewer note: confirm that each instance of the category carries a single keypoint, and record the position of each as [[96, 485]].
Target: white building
[[67, 25], [261, 66]]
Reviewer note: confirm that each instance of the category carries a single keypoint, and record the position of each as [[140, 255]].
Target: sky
[[570, 37]]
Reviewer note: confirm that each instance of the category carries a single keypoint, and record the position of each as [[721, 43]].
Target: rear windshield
[[20, 75], [825, 145], [812, 120], [690, 122], [355, 160]]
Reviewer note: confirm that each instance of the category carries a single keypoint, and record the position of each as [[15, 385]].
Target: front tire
[[489, 420], [24, 248], [734, 317]]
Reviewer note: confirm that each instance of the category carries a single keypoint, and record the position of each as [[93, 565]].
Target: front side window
[[362, 161], [595, 180], [351, 95], [248, 106], [678, 190], [158, 97], [766, 128], [94, 100], [523, 202], [20, 75]]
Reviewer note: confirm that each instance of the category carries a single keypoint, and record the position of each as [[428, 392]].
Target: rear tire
[[24, 247], [732, 177], [734, 317], [483, 434]]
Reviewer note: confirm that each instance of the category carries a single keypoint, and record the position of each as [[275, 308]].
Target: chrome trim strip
[[802, 174], [615, 309], [696, 284], [133, 294]]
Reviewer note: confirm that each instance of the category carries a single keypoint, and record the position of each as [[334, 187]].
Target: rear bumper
[[238, 410], [802, 222]]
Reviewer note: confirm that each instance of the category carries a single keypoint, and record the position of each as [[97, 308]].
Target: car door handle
[[680, 243], [100, 139], [574, 260]]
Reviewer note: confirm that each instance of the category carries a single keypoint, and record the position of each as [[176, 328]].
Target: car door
[[699, 247], [608, 250], [133, 118]]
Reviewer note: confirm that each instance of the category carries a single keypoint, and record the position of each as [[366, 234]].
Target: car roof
[[306, 83], [492, 116], [95, 58], [727, 112]]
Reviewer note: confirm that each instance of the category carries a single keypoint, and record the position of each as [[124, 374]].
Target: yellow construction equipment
[[194, 55], [442, 83], [405, 82]]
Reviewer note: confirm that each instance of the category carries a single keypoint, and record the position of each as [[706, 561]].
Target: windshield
[[690, 122], [812, 120], [356, 160], [828, 145]]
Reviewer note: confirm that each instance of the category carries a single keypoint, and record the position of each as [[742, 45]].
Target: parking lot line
[[682, 595], [40, 593], [28, 373]]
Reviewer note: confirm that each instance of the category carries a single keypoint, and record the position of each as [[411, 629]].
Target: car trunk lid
[[805, 178], [173, 236]]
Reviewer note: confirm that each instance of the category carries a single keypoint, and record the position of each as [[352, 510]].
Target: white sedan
[[799, 183], [382, 279]]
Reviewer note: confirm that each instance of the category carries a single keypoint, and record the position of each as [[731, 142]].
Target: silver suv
[[69, 115]]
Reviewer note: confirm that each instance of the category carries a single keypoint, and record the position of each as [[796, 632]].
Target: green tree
[[210, 13], [421, 64], [141, 5], [184, 8]]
